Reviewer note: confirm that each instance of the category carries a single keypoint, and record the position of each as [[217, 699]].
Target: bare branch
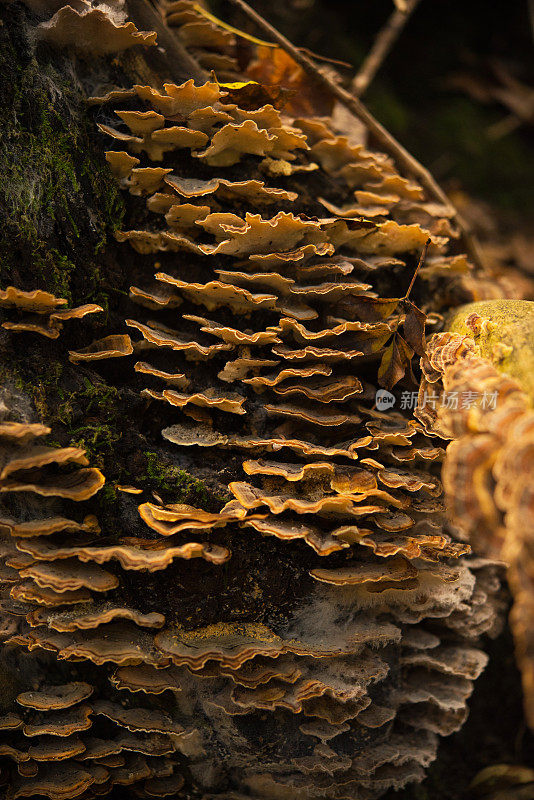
[[382, 45], [356, 107]]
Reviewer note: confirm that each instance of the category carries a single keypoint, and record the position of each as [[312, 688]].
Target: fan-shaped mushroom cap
[[185, 215], [111, 347], [146, 180], [56, 748], [92, 617], [121, 162], [232, 335], [57, 782], [172, 519], [142, 122], [229, 645], [240, 368], [397, 185], [311, 353], [207, 437], [69, 575], [160, 297], [323, 543], [291, 372], [252, 190], [210, 398], [215, 294], [49, 525], [39, 456], [57, 317], [56, 697], [10, 722], [174, 379], [32, 327], [37, 301], [116, 642], [32, 592], [111, 96], [41, 303], [138, 719], [325, 416], [234, 140], [21, 432], [183, 99], [64, 723], [258, 236], [391, 238], [135, 553], [203, 33], [163, 337], [91, 30], [177, 136], [164, 787], [79, 485], [150, 680]]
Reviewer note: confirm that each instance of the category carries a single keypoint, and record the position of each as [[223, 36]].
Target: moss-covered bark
[[58, 202], [59, 206]]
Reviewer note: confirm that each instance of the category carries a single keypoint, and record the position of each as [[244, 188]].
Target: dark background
[[411, 95]]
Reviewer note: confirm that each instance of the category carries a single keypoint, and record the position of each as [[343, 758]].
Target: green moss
[[180, 483], [508, 341], [107, 495], [60, 201], [88, 417], [100, 429]]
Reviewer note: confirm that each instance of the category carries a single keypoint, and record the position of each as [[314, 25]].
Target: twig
[[382, 45], [356, 107], [336, 61], [237, 32], [420, 263]]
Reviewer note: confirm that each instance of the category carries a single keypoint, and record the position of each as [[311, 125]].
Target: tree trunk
[[328, 624]]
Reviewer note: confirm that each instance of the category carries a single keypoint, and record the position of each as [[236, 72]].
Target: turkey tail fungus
[[229, 571], [488, 474]]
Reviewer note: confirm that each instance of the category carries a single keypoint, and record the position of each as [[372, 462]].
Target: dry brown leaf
[[276, 68]]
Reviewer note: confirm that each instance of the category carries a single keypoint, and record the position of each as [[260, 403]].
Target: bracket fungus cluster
[[39, 312], [488, 473], [326, 627]]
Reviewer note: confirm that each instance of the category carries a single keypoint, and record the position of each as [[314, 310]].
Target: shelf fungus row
[[67, 628], [270, 267], [39, 312]]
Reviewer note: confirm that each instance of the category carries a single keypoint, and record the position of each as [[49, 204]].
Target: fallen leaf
[[368, 309], [250, 95], [392, 367], [414, 327], [277, 68]]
